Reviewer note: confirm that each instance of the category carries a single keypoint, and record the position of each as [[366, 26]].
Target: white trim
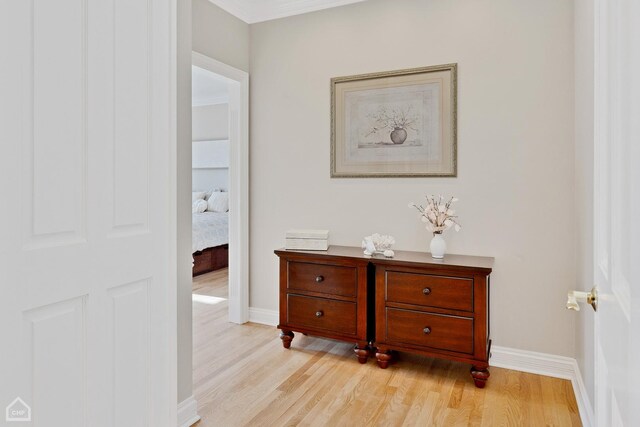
[[188, 412], [238, 184], [253, 11], [172, 214], [582, 398], [549, 365], [263, 316], [532, 362]]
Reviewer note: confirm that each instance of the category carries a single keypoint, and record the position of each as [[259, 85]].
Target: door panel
[[55, 336], [54, 121], [87, 246], [131, 120], [129, 332]]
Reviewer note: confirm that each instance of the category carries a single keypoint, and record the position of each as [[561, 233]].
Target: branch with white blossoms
[[437, 214]]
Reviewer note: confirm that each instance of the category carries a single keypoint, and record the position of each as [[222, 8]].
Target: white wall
[[210, 122], [515, 146], [584, 108], [220, 35]]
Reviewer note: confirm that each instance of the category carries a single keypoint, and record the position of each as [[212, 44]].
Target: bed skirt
[[210, 259]]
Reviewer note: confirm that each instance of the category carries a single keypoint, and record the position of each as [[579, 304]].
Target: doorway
[[226, 168]]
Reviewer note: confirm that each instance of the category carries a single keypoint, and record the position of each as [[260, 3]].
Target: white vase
[[438, 246]]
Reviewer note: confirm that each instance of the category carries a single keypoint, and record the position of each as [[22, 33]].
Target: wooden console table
[[411, 302]]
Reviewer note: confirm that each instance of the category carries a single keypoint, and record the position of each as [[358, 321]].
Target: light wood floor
[[244, 377]]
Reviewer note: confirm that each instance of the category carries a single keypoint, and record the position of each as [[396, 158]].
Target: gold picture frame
[[399, 123]]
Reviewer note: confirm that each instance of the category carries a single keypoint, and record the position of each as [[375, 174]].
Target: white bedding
[[210, 229]]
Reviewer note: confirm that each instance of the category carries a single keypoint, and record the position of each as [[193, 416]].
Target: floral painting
[[398, 123], [394, 121]]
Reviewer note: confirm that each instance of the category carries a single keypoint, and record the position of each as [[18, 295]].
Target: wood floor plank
[[244, 377]]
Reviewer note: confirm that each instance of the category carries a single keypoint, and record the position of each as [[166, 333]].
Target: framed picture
[[395, 124]]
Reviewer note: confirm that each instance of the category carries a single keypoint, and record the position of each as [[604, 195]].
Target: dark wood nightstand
[[324, 293], [438, 308]]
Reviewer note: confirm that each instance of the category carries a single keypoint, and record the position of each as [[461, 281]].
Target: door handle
[[574, 297]]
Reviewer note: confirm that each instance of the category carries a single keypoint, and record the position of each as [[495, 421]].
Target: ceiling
[[252, 11], [208, 88]]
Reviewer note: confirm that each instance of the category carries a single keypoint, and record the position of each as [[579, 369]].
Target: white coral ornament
[[378, 244]]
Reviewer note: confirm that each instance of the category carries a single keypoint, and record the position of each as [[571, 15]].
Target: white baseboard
[[584, 404], [548, 365], [188, 412], [263, 316], [532, 362]]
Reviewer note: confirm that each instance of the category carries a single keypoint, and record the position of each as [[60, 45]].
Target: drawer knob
[[427, 330], [319, 279], [319, 313], [426, 291]]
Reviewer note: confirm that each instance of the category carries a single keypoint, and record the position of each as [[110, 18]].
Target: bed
[[210, 241]]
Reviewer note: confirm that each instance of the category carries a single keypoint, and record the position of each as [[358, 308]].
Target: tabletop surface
[[411, 257]]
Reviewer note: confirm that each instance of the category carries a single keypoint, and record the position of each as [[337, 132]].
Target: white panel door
[[617, 212], [87, 230]]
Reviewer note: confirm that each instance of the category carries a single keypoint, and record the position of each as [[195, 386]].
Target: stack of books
[[307, 240]]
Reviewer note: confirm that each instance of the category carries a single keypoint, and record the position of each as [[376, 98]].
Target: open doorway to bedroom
[[219, 191], [220, 215], [210, 194]]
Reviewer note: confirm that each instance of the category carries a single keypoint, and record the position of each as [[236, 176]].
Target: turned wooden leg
[[384, 357], [480, 376], [286, 337], [362, 351]]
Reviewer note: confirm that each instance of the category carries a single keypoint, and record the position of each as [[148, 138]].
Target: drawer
[[429, 330], [430, 291], [322, 313], [327, 279]]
